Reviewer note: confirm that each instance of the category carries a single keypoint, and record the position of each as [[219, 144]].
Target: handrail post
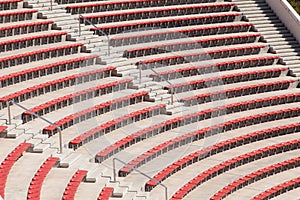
[[9, 113], [51, 5], [98, 29], [140, 172], [172, 89], [79, 26], [140, 74], [44, 119]]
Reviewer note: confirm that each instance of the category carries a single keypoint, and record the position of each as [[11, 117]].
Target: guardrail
[[98, 29]]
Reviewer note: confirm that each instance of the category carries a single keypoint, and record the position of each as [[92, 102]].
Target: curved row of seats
[[119, 27], [73, 184], [120, 5], [99, 109], [196, 135], [36, 72], [196, 43], [19, 15], [79, 96], [183, 32], [106, 193], [231, 108], [8, 163], [237, 92], [195, 69], [256, 176], [25, 28], [54, 85], [32, 40], [225, 79], [208, 151], [37, 181], [233, 163], [9, 5], [278, 189], [146, 13], [116, 123]]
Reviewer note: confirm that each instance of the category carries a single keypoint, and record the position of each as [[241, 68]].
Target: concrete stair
[[273, 31]]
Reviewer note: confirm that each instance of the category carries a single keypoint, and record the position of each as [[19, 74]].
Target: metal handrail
[[140, 172], [140, 74], [98, 29], [38, 116]]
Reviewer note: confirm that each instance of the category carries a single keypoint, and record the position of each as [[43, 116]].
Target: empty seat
[[73, 184], [8, 163], [105, 193]]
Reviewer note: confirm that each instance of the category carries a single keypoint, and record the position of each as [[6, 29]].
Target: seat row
[[237, 92], [146, 13], [9, 4], [167, 34], [8, 163], [83, 95], [279, 189], [194, 136], [225, 79], [179, 21], [28, 41], [236, 162], [186, 57], [52, 68], [106, 193], [42, 54], [121, 5], [196, 69], [36, 183], [54, 85], [15, 16], [70, 190], [206, 152], [3, 129], [256, 176], [99, 109], [191, 44], [116, 123], [25, 28]]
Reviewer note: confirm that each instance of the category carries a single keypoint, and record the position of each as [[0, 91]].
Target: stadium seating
[[199, 95], [37, 181], [83, 95], [8, 163], [24, 28], [117, 5], [115, 123], [172, 22], [193, 136], [57, 84], [106, 193], [278, 189], [256, 176], [24, 42], [179, 33], [235, 162], [73, 184], [101, 18]]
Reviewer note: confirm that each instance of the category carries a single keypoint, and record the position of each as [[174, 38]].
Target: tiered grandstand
[[149, 99]]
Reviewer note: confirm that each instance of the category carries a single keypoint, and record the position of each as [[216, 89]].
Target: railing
[[98, 29], [140, 172], [161, 77], [38, 116]]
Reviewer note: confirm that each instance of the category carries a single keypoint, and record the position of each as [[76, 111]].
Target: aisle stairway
[[273, 31]]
